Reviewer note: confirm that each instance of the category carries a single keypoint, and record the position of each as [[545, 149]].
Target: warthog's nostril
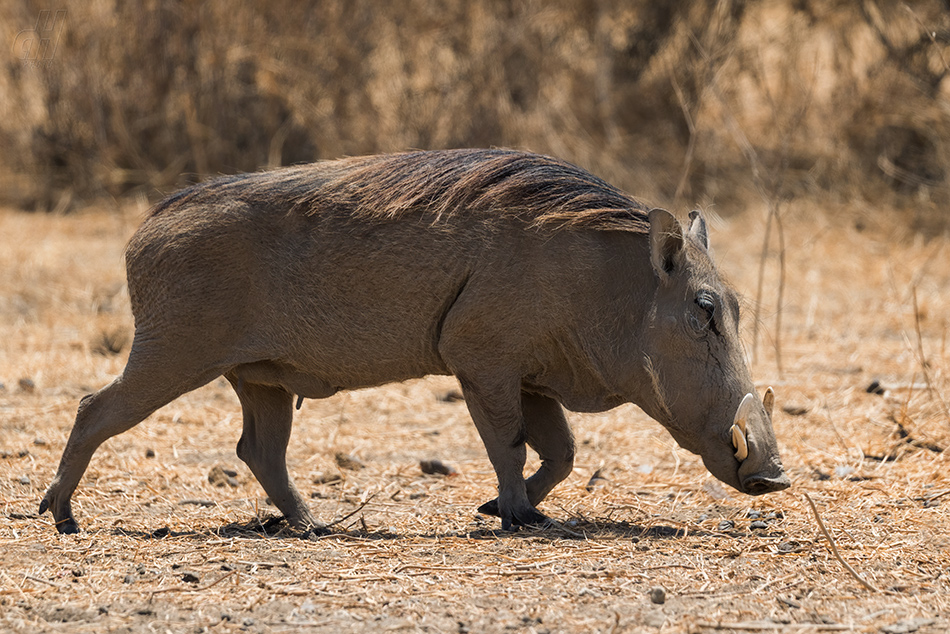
[[760, 486]]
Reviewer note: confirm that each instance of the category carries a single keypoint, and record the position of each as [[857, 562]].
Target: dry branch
[[834, 548], [755, 626]]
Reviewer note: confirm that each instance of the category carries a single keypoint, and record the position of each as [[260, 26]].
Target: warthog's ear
[[697, 229], [666, 242]]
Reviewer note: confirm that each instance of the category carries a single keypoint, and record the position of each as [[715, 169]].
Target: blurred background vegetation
[[680, 103]]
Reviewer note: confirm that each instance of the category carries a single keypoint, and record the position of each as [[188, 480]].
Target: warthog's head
[[702, 391]]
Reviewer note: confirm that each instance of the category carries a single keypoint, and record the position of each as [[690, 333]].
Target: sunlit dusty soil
[[163, 548]]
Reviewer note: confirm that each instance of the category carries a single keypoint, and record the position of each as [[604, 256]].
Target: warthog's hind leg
[[549, 434], [268, 417], [153, 377]]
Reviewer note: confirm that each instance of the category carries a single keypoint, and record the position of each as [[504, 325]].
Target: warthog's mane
[[544, 192]]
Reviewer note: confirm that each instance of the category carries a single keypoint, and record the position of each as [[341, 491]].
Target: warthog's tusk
[[739, 442], [739, 432]]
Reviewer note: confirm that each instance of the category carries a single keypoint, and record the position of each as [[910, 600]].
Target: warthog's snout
[[760, 470], [757, 485]]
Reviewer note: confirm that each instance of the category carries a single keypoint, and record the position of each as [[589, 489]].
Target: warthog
[[535, 283]]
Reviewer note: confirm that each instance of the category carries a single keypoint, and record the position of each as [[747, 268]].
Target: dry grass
[[163, 549]]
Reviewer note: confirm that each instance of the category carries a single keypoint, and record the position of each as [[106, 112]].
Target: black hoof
[[67, 527], [490, 508], [529, 517]]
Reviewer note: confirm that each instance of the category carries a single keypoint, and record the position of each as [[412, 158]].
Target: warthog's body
[[533, 282]]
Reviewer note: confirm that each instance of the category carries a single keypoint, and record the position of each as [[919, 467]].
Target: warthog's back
[[348, 268]]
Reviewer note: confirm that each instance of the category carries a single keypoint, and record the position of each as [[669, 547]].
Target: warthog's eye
[[707, 301]]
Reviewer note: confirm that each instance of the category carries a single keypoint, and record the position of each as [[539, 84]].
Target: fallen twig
[[764, 626], [834, 548], [354, 512], [45, 581]]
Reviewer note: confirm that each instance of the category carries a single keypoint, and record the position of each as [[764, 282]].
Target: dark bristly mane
[[543, 191]]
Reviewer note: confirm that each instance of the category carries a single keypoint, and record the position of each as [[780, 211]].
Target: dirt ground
[[656, 545]]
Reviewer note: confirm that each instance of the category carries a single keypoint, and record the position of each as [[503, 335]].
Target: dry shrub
[[837, 99]]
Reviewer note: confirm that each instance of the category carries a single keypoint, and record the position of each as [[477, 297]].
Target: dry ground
[[164, 549]]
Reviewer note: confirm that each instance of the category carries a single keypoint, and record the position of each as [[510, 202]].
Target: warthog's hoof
[[523, 517], [65, 526], [490, 508]]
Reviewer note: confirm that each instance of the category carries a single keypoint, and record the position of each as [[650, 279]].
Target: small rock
[[24, 479], [27, 385], [658, 595], [189, 577], [726, 525], [758, 525], [328, 478], [437, 467], [149, 453], [788, 547], [875, 388], [219, 476], [596, 480], [754, 515], [128, 579], [346, 461], [39, 442]]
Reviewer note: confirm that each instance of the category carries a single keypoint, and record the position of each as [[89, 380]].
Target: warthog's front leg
[[268, 417], [549, 434], [498, 418]]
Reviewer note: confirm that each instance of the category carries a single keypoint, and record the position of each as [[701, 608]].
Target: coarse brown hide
[[534, 282]]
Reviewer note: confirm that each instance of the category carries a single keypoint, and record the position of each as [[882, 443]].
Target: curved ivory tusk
[[739, 432], [768, 401], [739, 442]]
